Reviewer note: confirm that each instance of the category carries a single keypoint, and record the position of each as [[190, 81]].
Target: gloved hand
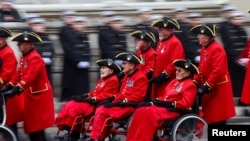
[[12, 92], [89, 99], [161, 103], [79, 98], [120, 75], [145, 104], [108, 100], [112, 104], [205, 89], [163, 77], [6, 88], [149, 74]]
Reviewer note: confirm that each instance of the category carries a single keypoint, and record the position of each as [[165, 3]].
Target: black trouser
[[37, 136]]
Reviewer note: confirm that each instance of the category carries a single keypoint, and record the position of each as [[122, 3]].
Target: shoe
[[247, 112]]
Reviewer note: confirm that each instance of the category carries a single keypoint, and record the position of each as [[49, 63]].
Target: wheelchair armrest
[[181, 111]]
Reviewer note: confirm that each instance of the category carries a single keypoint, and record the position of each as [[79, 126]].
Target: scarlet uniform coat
[[218, 105], [167, 51], [105, 87], [14, 105], [146, 120], [133, 89], [38, 94], [245, 96], [148, 58]]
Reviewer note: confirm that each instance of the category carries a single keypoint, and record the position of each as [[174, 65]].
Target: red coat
[[245, 96], [148, 59], [14, 105], [105, 87], [38, 94], [133, 89], [146, 120], [218, 105], [167, 51]]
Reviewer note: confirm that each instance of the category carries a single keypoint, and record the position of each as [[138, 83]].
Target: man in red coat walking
[[8, 65], [214, 81], [168, 49], [32, 82]]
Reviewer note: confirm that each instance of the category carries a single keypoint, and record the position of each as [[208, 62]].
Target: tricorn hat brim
[[143, 35], [109, 63], [4, 32], [130, 57], [27, 37], [166, 22], [187, 65], [207, 29]]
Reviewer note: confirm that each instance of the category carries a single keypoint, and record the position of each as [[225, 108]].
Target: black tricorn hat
[[143, 35], [109, 63], [27, 37], [130, 57], [166, 22], [187, 65], [4, 32], [207, 29]]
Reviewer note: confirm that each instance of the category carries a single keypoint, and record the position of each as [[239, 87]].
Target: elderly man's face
[[181, 73], [25, 47], [127, 67]]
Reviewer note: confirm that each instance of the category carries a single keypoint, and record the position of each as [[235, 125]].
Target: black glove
[[108, 100], [163, 77], [88, 100], [109, 105], [6, 88], [78, 98], [120, 75], [145, 104], [161, 103], [149, 74], [205, 89], [12, 92]]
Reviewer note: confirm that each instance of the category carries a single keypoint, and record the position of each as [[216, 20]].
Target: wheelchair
[[189, 126], [6, 134]]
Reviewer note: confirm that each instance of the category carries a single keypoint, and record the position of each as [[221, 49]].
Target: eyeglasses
[[124, 63], [179, 70]]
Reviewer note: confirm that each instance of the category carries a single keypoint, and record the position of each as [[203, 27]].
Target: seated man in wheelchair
[[132, 91], [180, 93], [85, 105]]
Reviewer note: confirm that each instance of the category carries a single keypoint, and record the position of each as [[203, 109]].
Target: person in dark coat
[[45, 48], [8, 13], [113, 39], [234, 40], [75, 77], [145, 21]]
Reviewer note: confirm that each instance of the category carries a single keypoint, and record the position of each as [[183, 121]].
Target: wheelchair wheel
[[6, 134], [190, 127]]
